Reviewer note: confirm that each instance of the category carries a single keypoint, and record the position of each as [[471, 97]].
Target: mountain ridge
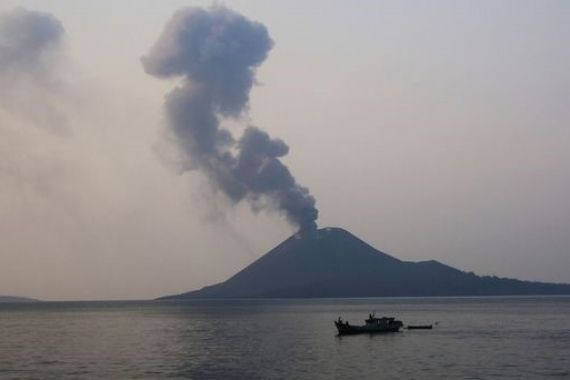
[[332, 263], [13, 299]]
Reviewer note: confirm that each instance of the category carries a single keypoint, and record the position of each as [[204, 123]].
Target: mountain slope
[[335, 263], [6, 299]]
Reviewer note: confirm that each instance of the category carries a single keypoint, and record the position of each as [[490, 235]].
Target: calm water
[[526, 338]]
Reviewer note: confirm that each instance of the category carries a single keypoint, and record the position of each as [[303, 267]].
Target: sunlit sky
[[431, 130]]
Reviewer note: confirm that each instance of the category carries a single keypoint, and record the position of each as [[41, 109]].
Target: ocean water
[[475, 338]]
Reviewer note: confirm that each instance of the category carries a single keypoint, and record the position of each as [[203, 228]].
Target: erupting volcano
[[215, 53]]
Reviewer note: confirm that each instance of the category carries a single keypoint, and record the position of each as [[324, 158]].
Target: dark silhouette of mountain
[[335, 263], [7, 299]]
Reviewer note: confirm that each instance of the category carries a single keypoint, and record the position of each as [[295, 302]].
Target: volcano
[[332, 262]]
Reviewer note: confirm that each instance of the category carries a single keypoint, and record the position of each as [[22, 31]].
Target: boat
[[419, 327], [372, 325]]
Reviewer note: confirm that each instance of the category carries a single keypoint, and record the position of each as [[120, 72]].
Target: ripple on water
[[284, 339]]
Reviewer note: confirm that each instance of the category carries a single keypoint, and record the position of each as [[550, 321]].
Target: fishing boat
[[372, 325]]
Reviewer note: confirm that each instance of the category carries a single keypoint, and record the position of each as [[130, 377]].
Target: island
[[332, 262]]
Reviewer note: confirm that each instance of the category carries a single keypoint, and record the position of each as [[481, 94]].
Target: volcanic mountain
[[334, 263]]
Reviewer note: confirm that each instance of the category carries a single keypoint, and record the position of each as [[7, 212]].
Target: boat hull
[[346, 329]]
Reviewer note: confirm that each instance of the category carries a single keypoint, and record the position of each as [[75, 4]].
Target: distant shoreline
[[14, 299], [308, 299]]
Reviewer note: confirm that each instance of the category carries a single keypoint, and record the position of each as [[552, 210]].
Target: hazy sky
[[432, 130]]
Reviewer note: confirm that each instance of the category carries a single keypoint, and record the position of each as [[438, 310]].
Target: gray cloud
[[26, 40], [216, 52], [30, 50]]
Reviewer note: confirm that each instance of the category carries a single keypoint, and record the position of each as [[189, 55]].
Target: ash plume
[[216, 53], [30, 47]]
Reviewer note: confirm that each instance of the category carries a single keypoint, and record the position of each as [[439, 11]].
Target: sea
[[472, 338]]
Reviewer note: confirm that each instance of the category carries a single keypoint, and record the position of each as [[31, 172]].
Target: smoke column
[[216, 53], [26, 38], [30, 46]]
